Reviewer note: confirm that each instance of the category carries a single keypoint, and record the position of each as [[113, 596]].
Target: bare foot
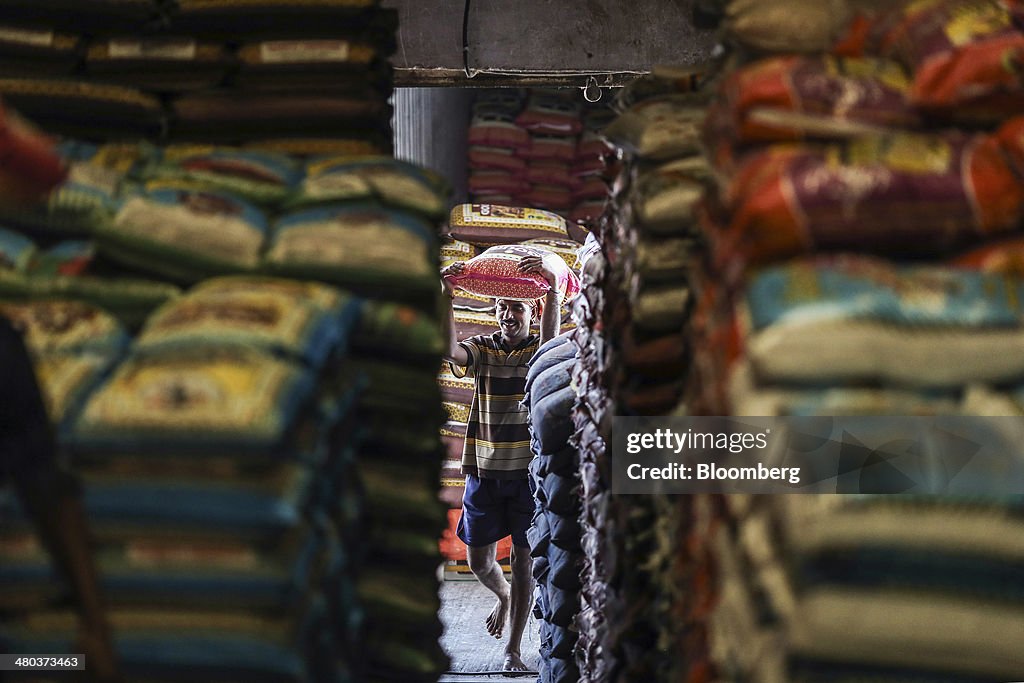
[[496, 619], [513, 662]]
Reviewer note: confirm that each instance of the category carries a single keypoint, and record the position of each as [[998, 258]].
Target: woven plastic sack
[[160, 64], [491, 224], [65, 326], [964, 56], [397, 331], [564, 248], [265, 319], [549, 147], [261, 177], [496, 273], [38, 52], [393, 182], [16, 252], [31, 166], [200, 402], [497, 130], [362, 246], [854, 196], [66, 379], [661, 129], [550, 197], [495, 159], [130, 300], [784, 98], [551, 114]]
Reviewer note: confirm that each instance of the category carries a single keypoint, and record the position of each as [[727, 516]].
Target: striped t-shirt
[[497, 436]]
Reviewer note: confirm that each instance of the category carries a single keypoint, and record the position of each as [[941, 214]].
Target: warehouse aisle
[[464, 608]]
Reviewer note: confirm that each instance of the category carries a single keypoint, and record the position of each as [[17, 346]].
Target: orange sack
[[900, 193], [819, 96], [967, 58]]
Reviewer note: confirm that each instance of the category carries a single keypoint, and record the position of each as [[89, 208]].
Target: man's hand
[[536, 264], [453, 269]]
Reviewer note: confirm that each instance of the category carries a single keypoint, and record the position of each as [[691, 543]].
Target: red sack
[[551, 114], [493, 130], [966, 57], [496, 183], [547, 197], [496, 273], [550, 147], [496, 159], [29, 166], [900, 194]]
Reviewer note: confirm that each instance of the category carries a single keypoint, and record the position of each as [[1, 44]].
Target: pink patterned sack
[[496, 273]]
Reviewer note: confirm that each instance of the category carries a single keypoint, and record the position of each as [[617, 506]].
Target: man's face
[[514, 318]]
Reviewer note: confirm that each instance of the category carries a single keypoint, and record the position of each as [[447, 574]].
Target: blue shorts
[[495, 508]]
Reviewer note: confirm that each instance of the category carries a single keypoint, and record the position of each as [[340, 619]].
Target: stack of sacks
[[213, 465], [50, 250], [372, 225], [865, 185], [642, 621], [555, 533], [180, 214], [73, 345], [554, 123], [825, 588], [307, 90], [541, 152], [897, 150], [592, 377], [594, 168], [497, 171], [399, 347], [306, 79], [308, 76]]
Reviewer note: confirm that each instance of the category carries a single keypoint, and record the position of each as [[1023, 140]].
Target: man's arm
[[550, 320], [551, 317], [455, 353]]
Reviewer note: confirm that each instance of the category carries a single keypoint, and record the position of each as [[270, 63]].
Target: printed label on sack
[[151, 49], [493, 214], [26, 36], [287, 51], [917, 154]]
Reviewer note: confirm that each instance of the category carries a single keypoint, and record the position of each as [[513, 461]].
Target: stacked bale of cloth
[[474, 228], [865, 260], [555, 532], [646, 583], [212, 470], [304, 78], [539, 149]]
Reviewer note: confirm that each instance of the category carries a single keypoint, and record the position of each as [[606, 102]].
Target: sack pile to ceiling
[[305, 77], [555, 534], [292, 99], [818, 588], [645, 577], [540, 149], [212, 478], [865, 260], [512, 232]]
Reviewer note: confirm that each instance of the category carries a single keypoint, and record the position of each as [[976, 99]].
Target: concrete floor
[[464, 609]]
